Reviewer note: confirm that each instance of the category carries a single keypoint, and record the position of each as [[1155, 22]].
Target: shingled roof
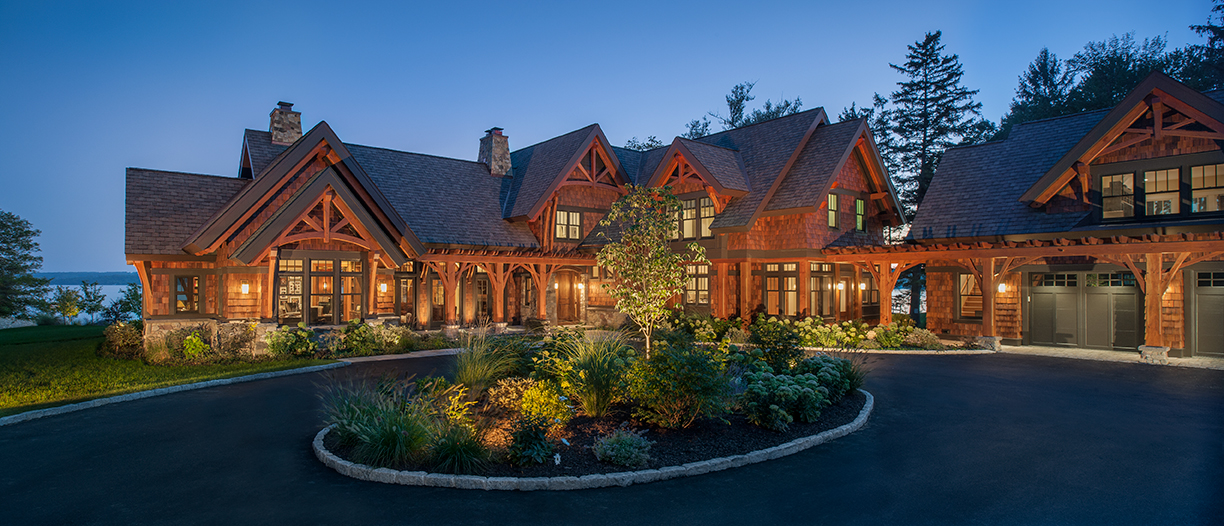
[[163, 208], [817, 165], [259, 148], [723, 163], [536, 167], [443, 200], [975, 190]]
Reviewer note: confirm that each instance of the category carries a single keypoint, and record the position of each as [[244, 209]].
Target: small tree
[[648, 273], [65, 302], [91, 299], [128, 304]]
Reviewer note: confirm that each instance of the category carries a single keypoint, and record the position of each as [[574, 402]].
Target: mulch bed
[[703, 440]]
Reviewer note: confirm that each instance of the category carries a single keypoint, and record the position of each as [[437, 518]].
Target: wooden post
[[1151, 305], [885, 280], [856, 295], [372, 301], [143, 270], [805, 273], [497, 274], [987, 285], [837, 293], [723, 281], [745, 288], [270, 291]]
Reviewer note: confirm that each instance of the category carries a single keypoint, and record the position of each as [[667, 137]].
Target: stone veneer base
[[626, 478]]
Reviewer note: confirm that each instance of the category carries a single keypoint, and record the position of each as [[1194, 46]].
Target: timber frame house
[[315, 230], [1096, 230]]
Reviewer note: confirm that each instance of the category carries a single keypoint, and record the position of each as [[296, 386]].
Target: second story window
[[1207, 187], [860, 215], [833, 211], [569, 225], [1117, 196], [693, 220], [1162, 191]]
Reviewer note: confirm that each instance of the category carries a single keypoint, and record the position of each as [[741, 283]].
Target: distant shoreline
[[102, 278]]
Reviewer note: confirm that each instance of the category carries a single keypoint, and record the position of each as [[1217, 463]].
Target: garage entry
[[1207, 312], [1096, 310]]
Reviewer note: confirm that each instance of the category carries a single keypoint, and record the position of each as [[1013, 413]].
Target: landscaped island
[[577, 404]]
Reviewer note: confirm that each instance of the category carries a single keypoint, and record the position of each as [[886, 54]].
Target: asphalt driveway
[[986, 439]]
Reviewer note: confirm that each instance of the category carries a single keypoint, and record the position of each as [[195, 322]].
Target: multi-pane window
[[569, 225], [1055, 280], [187, 294], [319, 291], [1162, 191], [832, 210], [870, 291], [969, 297], [781, 289], [860, 211], [1118, 196], [694, 218], [1211, 279], [820, 290], [697, 290], [1111, 279], [1207, 188]]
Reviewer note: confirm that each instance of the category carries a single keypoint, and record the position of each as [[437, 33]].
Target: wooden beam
[[1151, 306], [1038, 249], [143, 271], [270, 291], [987, 285]]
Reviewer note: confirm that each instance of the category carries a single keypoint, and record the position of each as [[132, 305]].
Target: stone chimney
[[495, 152], [286, 126]]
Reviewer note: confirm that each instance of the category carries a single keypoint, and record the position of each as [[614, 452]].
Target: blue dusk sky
[[90, 89]]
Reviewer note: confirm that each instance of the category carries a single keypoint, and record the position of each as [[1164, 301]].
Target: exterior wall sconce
[[841, 286], [862, 286], [1002, 288], [556, 286], [581, 286], [382, 287], [246, 287]]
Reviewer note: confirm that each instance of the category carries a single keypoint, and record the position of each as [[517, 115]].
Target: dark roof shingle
[[164, 208]]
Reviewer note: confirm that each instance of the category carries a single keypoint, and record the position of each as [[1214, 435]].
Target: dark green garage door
[[1054, 312], [1209, 313], [1099, 310]]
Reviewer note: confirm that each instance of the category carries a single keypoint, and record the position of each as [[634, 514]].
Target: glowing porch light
[[841, 286], [246, 287], [556, 286], [862, 286], [581, 286], [382, 287], [1002, 288]]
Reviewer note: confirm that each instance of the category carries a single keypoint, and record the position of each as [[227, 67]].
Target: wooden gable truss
[[594, 166], [1159, 107], [680, 168]]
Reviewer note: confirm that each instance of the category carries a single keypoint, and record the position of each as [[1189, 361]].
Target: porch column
[[497, 280], [372, 299], [1151, 300], [143, 270], [805, 273], [988, 293], [886, 282], [269, 292], [722, 282], [856, 294], [837, 293], [745, 289], [423, 300], [448, 297]]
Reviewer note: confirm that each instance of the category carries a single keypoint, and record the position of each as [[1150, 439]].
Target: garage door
[[1113, 318], [1054, 309], [1209, 313]]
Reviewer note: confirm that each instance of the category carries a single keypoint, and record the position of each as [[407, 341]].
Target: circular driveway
[[984, 439]]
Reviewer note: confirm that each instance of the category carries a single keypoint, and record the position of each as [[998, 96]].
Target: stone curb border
[[438, 480], [954, 352], [98, 402]]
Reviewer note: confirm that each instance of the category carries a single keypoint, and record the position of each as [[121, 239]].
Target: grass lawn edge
[[149, 393]]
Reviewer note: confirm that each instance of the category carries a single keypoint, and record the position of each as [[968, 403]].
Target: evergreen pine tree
[[1042, 92]]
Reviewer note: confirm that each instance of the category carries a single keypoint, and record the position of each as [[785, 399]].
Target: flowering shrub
[[123, 340], [923, 339], [891, 336], [834, 374], [774, 401], [507, 394], [777, 339], [623, 448], [545, 400]]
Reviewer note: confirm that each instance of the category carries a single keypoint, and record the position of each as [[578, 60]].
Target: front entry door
[[567, 297]]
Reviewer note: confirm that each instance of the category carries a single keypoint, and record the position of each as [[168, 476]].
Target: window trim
[[834, 211], [699, 220], [860, 215], [197, 295], [694, 281], [568, 225], [1184, 164], [960, 315]]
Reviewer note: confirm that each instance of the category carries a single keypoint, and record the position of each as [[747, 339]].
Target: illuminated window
[[707, 216], [833, 211], [1161, 189], [1207, 184], [969, 300], [186, 294], [1118, 196], [694, 218], [569, 225], [860, 209], [697, 290]]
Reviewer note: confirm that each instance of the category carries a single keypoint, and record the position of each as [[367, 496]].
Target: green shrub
[[923, 339], [506, 396], [774, 401], [529, 441], [737, 335], [834, 374], [383, 428], [521, 350], [623, 448], [234, 339], [458, 449], [891, 336], [678, 385], [123, 341], [195, 348], [291, 341], [778, 340], [545, 400], [854, 332], [192, 344]]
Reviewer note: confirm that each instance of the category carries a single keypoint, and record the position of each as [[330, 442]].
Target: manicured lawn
[[49, 366]]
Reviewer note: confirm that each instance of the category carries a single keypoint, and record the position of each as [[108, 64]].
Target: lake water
[[111, 291]]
